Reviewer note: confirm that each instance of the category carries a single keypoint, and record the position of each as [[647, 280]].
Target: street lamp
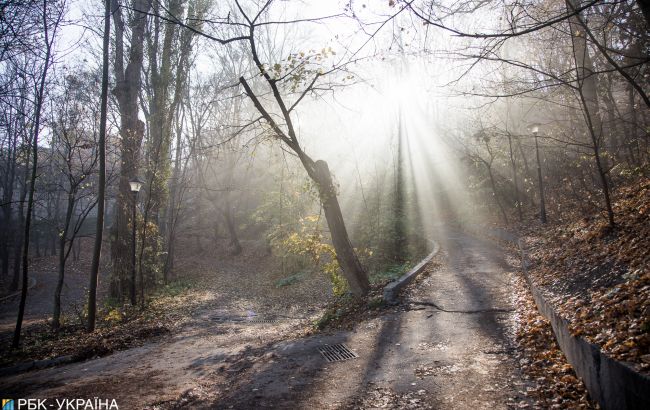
[[534, 129], [135, 188]]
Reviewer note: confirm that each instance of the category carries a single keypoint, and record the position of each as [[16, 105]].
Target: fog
[[429, 116]]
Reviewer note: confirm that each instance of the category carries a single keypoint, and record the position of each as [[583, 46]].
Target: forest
[[325, 204]]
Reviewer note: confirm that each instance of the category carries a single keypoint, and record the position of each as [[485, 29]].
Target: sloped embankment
[[598, 277]]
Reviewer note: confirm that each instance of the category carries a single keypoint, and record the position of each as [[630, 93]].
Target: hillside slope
[[598, 278]]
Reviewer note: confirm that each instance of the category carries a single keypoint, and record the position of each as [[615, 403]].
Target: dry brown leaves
[[555, 384], [134, 326], [598, 278]]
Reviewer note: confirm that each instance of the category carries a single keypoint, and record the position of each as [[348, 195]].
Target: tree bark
[[613, 130], [319, 172], [398, 247], [101, 189], [518, 202], [172, 214], [63, 255], [8, 194], [527, 173], [356, 276], [345, 255], [127, 89], [540, 185], [235, 246], [160, 109], [493, 184], [20, 230], [633, 138]]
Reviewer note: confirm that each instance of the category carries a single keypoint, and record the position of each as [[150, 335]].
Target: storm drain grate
[[242, 320], [262, 320], [337, 353]]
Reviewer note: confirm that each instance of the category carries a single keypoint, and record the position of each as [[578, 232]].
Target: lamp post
[[534, 129], [135, 188]]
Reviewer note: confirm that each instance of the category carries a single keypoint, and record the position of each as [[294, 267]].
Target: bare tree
[[75, 157], [52, 15], [318, 171]]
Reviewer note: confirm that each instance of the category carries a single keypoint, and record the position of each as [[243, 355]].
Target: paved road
[[447, 346]]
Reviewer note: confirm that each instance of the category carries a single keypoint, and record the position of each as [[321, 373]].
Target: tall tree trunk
[[527, 172], [613, 130], [8, 194], [229, 218], [20, 226], [101, 194], [63, 256], [20, 231], [398, 247], [173, 212], [540, 185], [633, 138], [160, 113], [127, 89], [347, 258], [518, 203], [493, 184], [318, 171]]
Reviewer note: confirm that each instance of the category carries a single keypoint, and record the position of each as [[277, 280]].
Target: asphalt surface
[[448, 345]]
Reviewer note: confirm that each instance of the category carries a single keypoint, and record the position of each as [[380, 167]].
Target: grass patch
[[390, 273]]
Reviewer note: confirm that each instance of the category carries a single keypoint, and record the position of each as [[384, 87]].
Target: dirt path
[[447, 346]]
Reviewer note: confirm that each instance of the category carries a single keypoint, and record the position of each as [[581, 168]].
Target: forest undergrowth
[[120, 327], [250, 283]]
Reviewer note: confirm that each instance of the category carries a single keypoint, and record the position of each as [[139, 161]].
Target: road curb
[[392, 290], [613, 384]]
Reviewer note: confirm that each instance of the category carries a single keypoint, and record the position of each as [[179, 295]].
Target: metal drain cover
[[242, 319], [337, 352], [261, 320]]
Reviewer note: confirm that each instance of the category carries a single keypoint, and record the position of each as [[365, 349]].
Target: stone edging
[[395, 287], [613, 384]]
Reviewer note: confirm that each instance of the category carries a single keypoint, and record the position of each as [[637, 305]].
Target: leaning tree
[[287, 80]]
